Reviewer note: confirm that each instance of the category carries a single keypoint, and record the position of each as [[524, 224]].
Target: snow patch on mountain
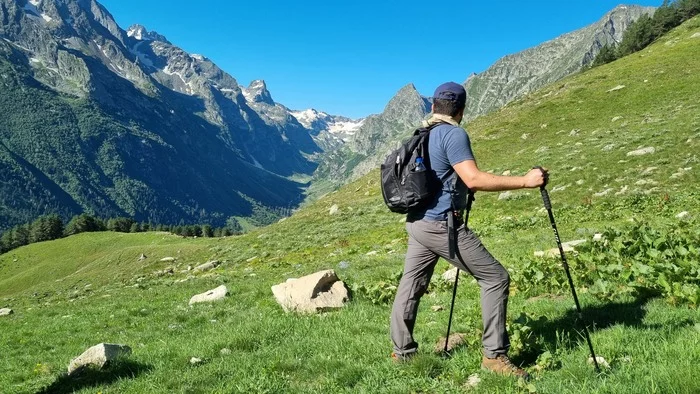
[[321, 122], [33, 11]]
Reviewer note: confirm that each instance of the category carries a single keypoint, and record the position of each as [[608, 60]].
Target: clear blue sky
[[350, 57]]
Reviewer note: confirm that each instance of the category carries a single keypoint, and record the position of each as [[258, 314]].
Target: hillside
[[75, 292], [116, 122]]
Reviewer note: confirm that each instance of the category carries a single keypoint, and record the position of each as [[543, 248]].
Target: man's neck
[[437, 118]]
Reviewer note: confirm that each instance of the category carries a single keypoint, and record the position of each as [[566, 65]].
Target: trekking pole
[[548, 207], [453, 251]]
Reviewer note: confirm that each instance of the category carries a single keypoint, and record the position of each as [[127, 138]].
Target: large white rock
[[312, 293], [210, 296], [450, 275], [6, 311], [567, 246], [98, 356]]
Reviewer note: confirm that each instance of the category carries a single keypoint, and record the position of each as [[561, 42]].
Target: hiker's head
[[449, 99]]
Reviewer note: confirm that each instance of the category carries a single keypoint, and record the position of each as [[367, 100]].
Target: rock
[[603, 193], [525, 136], [343, 265], [450, 275], [539, 253], [334, 210], [196, 361], [567, 246], [455, 340], [542, 149], [506, 173], [6, 312], [225, 351], [473, 380], [98, 356], [622, 191], [695, 35], [641, 152], [371, 253], [608, 147], [616, 88], [436, 308], [209, 265], [507, 195], [580, 182], [167, 259], [601, 361], [615, 119], [574, 132], [681, 215], [597, 237], [317, 292], [210, 296], [142, 257]]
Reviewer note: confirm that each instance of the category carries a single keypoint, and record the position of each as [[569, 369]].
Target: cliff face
[[516, 75]]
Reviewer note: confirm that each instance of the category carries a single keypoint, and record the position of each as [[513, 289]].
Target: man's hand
[[535, 178]]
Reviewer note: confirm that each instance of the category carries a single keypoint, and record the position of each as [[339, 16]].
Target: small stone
[[6, 312], [539, 253], [574, 132], [597, 237], [372, 253], [601, 361], [615, 119], [436, 308], [608, 147], [473, 380], [683, 215], [450, 275], [196, 361], [142, 257], [580, 182], [334, 210], [643, 151], [455, 340], [209, 265], [616, 88], [525, 136], [225, 351], [506, 173], [695, 35], [167, 259], [210, 296], [343, 265]]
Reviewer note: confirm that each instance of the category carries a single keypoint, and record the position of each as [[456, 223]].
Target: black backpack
[[406, 184]]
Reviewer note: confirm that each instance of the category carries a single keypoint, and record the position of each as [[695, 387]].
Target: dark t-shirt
[[447, 145]]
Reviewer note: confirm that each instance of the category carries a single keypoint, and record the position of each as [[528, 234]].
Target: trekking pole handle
[[543, 190]]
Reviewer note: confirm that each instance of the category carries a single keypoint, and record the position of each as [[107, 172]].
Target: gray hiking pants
[[427, 241]]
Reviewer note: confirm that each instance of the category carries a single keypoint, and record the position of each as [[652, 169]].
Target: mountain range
[[118, 122]]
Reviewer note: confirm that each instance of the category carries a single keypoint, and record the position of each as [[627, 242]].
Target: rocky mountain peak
[[407, 105], [257, 92], [140, 33]]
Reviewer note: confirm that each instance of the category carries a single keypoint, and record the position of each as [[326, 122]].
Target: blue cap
[[451, 91]]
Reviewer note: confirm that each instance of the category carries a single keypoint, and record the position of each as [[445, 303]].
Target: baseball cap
[[451, 91]]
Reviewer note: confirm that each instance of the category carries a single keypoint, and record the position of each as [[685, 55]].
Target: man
[[450, 153]]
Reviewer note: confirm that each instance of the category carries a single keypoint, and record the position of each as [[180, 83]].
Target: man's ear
[[432, 107]]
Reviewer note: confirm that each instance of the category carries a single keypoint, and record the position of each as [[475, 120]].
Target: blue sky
[[350, 57]]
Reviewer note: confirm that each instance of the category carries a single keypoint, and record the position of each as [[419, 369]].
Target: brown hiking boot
[[503, 366]]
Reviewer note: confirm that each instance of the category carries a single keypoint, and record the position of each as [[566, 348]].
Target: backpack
[[408, 183]]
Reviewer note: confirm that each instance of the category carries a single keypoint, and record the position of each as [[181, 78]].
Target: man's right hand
[[535, 178]]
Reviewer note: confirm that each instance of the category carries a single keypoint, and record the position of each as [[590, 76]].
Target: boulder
[[210, 296], [209, 265], [6, 311], [167, 259], [312, 293], [567, 246], [98, 356]]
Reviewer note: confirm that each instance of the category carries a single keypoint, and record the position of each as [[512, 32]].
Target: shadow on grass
[[567, 332], [90, 378]]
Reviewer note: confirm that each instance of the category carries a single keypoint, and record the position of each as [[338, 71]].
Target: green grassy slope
[[104, 293]]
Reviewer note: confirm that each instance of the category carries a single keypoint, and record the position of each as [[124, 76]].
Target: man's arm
[[476, 179]]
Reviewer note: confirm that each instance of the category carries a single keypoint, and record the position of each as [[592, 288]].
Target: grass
[[72, 293]]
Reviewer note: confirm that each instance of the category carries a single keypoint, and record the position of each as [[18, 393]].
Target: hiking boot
[[503, 366], [400, 358]]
